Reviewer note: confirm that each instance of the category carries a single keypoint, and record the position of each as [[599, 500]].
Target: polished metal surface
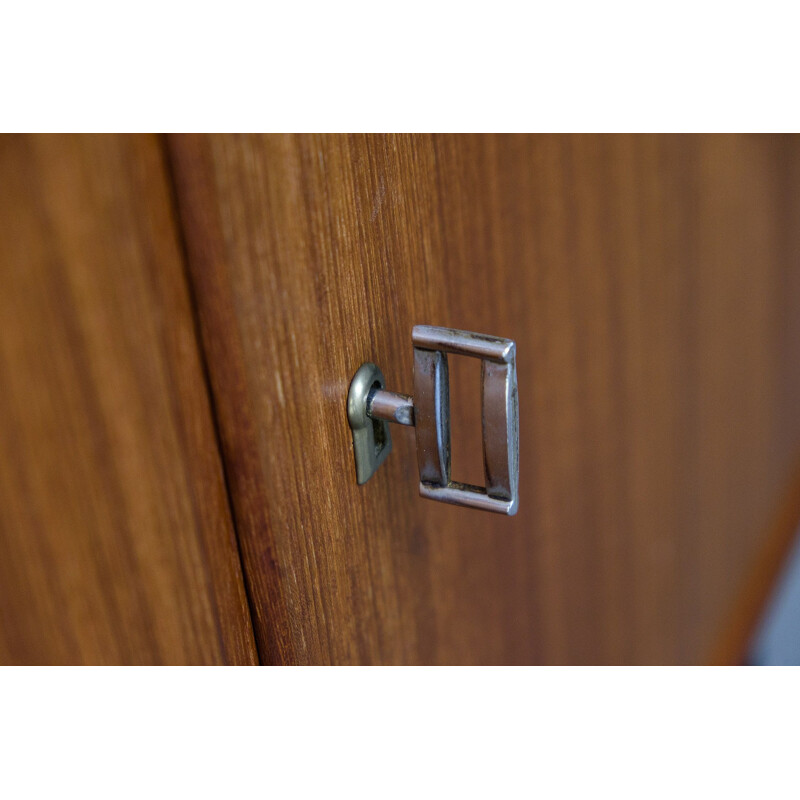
[[370, 407], [372, 441], [432, 415], [390, 406], [500, 418], [463, 343], [464, 494]]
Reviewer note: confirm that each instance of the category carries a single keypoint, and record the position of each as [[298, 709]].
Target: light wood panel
[[116, 540], [652, 286]]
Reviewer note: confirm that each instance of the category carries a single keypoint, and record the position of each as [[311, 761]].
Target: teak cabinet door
[[652, 286], [116, 538]]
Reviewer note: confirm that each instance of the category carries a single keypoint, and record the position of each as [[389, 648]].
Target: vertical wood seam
[[174, 200]]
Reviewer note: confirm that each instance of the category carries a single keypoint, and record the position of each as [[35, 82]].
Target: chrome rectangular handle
[[499, 417]]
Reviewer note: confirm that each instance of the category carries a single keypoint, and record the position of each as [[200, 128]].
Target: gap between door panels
[[181, 232]]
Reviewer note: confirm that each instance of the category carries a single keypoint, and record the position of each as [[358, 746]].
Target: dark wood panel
[[116, 539], [652, 286]]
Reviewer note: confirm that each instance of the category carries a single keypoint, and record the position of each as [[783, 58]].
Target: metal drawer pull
[[370, 407]]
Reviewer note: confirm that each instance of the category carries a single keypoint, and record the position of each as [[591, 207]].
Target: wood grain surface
[[116, 539], [653, 289]]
